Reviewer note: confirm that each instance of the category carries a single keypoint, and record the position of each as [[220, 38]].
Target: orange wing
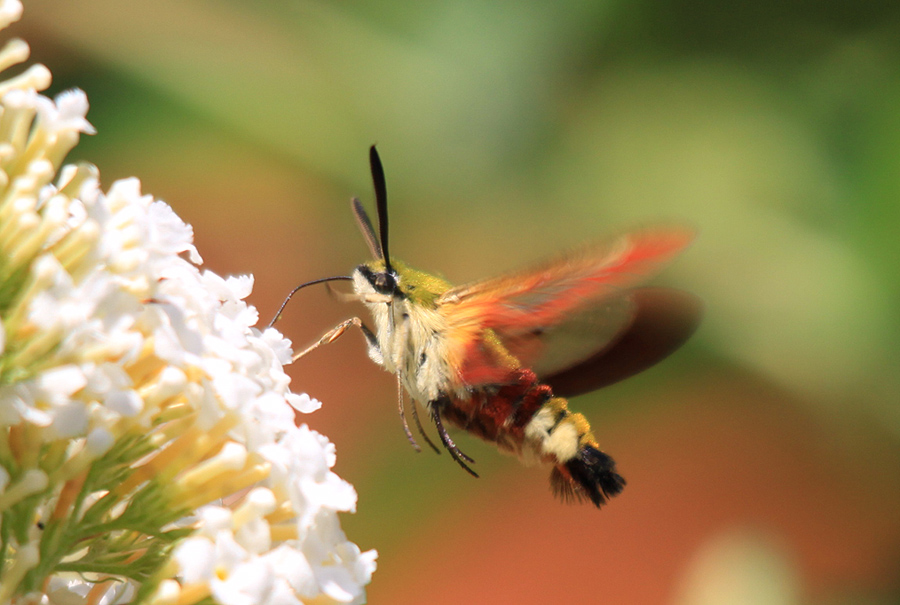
[[553, 316]]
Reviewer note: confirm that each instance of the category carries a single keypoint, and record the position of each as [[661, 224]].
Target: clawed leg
[[406, 431], [332, 335], [415, 415], [455, 452]]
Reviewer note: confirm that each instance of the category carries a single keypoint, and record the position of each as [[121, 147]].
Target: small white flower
[[67, 113], [196, 558], [295, 569], [304, 403], [169, 234], [246, 583]]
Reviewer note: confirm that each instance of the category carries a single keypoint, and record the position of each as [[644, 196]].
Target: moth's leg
[[372, 347], [403, 336], [336, 332], [409, 436], [455, 452], [397, 361], [415, 415]]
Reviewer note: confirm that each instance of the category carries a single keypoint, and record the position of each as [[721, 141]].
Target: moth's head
[[372, 280], [386, 279]]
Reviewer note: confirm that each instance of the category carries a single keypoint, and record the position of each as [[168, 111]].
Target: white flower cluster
[[148, 449]]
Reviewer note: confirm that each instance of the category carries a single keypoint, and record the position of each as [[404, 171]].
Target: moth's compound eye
[[385, 283]]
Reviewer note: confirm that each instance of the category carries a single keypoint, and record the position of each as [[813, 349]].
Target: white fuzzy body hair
[[411, 341]]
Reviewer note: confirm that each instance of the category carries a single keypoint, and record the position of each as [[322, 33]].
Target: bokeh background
[[762, 459]]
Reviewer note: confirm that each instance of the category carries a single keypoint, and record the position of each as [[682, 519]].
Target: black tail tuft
[[591, 475]]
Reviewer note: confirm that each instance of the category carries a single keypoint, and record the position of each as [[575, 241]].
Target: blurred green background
[[762, 459]]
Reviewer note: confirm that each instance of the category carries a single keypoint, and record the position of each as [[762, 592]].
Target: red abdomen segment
[[525, 418]]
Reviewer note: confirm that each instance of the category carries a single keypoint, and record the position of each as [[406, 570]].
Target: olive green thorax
[[418, 287]]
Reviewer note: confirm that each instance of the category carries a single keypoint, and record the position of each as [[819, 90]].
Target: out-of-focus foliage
[[762, 460]]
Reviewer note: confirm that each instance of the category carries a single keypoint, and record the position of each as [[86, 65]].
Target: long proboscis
[[300, 287], [381, 204]]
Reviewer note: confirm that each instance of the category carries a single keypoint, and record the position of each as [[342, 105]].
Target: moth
[[498, 358]]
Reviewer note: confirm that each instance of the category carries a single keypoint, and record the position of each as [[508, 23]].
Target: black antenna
[[301, 286], [381, 204]]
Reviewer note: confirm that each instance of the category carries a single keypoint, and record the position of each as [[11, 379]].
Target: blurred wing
[[663, 321], [553, 316]]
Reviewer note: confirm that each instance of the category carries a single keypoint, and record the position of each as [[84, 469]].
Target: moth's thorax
[[409, 328]]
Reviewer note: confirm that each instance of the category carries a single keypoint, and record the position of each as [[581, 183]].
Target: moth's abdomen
[[500, 414], [581, 471], [525, 418]]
